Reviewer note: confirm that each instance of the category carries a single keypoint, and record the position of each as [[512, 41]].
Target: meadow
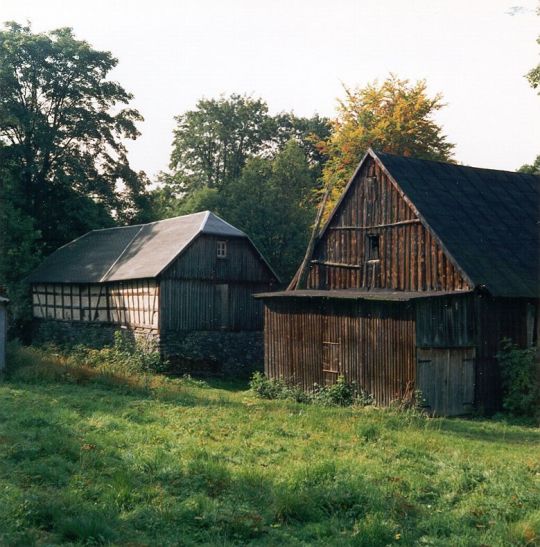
[[92, 456]]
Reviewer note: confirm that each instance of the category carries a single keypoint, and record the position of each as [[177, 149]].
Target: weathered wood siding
[[499, 318], [200, 291], [313, 341], [410, 258], [132, 303]]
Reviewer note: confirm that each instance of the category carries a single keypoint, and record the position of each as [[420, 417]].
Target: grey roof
[[4, 300], [355, 294], [487, 220], [130, 252]]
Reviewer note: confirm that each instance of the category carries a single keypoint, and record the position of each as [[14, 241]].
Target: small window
[[372, 248], [222, 249]]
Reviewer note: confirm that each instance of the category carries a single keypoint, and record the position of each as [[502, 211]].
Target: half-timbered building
[[158, 281], [420, 271]]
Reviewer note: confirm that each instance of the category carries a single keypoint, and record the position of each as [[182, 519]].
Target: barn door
[[445, 376], [222, 306]]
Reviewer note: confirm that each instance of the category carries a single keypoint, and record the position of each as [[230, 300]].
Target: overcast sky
[[296, 54]]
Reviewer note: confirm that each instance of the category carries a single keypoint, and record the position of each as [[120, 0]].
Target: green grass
[[88, 457]]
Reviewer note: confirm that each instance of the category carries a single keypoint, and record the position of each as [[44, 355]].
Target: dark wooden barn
[[158, 281], [420, 271]]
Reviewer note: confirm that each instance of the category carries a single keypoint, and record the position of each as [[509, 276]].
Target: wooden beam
[[336, 264], [375, 226]]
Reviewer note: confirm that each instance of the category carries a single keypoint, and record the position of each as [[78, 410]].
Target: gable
[[243, 262], [409, 256]]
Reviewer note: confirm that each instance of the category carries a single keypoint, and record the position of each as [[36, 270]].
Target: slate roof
[[130, 252], [488, 220]]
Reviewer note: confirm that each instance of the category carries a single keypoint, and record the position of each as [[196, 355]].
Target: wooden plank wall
[[190, 299], [498, 318], [196, 305], [376, 343], [410, 259], [446, 322], [200, 262], [133, 303]]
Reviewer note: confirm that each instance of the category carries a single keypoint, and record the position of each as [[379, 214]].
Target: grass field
[[88, 458]]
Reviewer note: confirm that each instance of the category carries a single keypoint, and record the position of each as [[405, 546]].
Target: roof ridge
[[451, 164], [145, 223], [104, 276]]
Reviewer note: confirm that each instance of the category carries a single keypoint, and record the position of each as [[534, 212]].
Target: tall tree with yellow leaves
[[394, 117]]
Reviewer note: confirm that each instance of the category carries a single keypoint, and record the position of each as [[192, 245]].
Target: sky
[[298, 54]]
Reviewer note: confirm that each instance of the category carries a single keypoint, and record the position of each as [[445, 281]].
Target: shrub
[[521, 392], [342, 393]]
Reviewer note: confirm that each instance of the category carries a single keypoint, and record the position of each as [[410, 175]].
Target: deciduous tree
[[63, 122], [395, 116]]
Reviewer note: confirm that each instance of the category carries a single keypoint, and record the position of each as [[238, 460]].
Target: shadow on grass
[[490, 430]]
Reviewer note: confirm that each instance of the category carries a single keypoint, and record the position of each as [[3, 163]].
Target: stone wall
[[233, 354]]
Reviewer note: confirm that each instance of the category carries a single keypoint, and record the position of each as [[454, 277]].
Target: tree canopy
[[63, 163], [62, 125], [395, 116]]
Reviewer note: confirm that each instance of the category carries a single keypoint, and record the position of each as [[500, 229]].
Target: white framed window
[[222, 249]]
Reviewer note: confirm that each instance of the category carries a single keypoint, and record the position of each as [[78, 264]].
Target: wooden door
[[222, 306], [445, 376]]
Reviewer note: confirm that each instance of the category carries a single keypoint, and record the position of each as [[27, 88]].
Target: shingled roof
[[130, 252], [488, 220]]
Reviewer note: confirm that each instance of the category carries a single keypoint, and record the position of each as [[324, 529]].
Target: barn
[[3, 331], [157, 282], [419, 272]]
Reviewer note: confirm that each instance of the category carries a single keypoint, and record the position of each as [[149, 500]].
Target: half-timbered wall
[[133, 303], [314, 341], [407, 258]]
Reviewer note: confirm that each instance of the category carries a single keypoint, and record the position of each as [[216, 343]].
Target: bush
[[342, 393], [521, 392]]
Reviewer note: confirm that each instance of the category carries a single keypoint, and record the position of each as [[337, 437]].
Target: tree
[[62, 123], [532, 169], [273, 202], [394, 117], [213, 142]]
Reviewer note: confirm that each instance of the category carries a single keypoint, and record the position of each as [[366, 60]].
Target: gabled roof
[[130, 252], [487, 221]]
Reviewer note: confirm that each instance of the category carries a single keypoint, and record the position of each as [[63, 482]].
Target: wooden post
[[298, 281]]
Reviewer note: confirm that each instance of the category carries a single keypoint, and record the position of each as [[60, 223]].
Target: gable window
[[372, 247], [222, 249]]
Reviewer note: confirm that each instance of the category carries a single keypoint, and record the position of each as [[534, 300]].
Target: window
[[222, 249], [372, 247]]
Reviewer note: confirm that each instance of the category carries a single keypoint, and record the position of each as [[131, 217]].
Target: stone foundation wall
[[234, 354]]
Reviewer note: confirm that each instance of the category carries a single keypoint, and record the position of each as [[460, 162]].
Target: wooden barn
[[420, 271], [158, 281]]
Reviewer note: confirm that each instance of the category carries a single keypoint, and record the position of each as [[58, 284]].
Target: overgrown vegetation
[[521, 389], [95, 456], [342, 393]]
